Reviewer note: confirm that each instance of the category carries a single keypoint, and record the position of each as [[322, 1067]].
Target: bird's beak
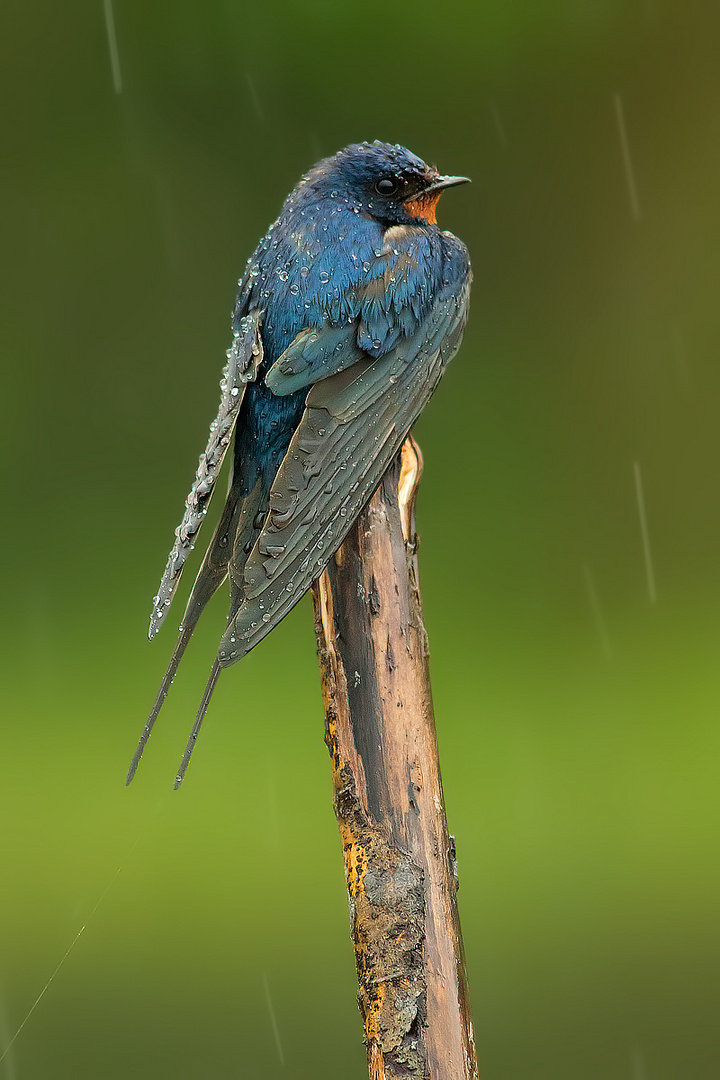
[[442, 182]]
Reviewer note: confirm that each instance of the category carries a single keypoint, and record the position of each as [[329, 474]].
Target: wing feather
[[353, 425], [244, 357], [314, 354]]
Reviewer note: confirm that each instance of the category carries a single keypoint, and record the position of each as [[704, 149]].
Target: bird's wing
[[244, 357], [354, 422], [314, 354]]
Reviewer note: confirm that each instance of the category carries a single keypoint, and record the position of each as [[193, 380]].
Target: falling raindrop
[[639, 1072], [499, 127], [627, 160], [112, 45], [597, 611], [644, 531], [273, 1020], [253, 94]]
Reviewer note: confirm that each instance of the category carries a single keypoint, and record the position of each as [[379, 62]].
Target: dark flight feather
[[244, 358]]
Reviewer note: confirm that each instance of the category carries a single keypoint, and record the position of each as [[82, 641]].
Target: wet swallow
[[348, 312]]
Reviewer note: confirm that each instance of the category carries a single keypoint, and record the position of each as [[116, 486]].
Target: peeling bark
[[400, 862]]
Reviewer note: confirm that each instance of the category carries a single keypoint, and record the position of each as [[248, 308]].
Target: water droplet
[[274, 551]]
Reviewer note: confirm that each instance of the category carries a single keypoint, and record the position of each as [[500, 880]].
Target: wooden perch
[[380, 730]]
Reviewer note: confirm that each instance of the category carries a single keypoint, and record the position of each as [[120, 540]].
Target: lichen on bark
[[387, 913]]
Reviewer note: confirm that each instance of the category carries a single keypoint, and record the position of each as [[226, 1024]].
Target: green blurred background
[[577, 715]]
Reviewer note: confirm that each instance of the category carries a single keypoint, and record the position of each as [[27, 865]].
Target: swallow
[[347, 314]]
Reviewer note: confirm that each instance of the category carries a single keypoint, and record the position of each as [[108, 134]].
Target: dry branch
[[380, 731]]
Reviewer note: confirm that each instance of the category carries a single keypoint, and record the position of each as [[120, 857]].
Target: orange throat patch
[[425, 207]]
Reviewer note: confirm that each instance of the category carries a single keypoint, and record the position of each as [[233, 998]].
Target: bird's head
[[387, 182]]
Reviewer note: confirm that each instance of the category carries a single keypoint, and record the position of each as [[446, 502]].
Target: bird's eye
[[386, 186]]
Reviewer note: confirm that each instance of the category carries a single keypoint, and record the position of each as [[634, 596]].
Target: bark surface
[[399, 857]]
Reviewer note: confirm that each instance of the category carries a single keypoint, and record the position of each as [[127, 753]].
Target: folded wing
[[244, 358], [354, 422]]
